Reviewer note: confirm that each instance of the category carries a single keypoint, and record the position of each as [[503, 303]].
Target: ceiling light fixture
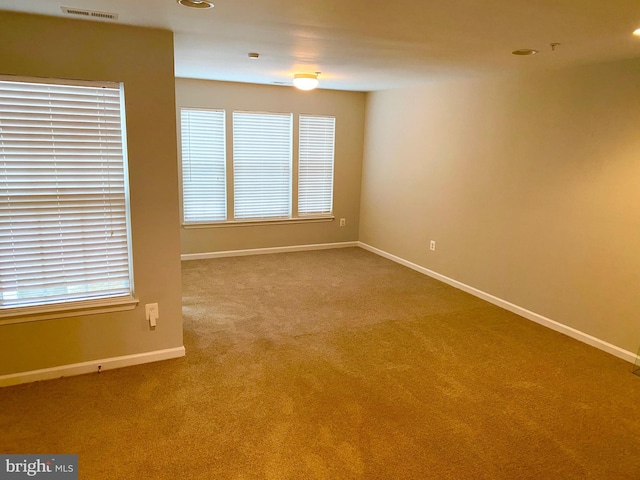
[[305, 81], [195, 3], [525, 51], [637, 32], [253, 55]]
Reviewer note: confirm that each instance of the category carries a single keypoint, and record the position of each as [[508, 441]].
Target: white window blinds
[[315, 166], [63, 193], [204, 193], [262, 164]]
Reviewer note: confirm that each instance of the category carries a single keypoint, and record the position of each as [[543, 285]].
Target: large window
[[63, 193], [262, 165], [315, 177], [204, 190]]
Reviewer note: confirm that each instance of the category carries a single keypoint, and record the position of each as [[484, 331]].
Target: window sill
[[261, 221], [62, 310]]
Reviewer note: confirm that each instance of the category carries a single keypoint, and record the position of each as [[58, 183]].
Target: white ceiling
[[374, 45]]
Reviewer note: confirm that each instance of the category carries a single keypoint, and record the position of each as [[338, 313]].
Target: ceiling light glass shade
[[196, 3], [305, 81]]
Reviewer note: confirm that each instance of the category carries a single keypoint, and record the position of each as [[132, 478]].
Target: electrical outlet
[[343, 222], [432, 245], [152, 312]]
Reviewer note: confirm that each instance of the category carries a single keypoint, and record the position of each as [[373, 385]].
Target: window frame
[[295, 217], [223, 141], [310, 190], [287, 164], [43, 308]]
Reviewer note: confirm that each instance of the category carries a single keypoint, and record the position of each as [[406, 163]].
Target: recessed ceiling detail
[[524, 52], [203, 4], [89, 13]]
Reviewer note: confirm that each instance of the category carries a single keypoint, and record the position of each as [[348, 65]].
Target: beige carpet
[[339, 364]]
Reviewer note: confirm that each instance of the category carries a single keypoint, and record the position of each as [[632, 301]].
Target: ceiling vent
[[89, 13]]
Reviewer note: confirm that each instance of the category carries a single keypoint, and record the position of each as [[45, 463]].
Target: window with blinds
[[315, 164], [64, 230], [204, 192], [262, 155]]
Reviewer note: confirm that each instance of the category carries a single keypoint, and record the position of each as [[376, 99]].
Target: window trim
[[261, 221], [69, 309]]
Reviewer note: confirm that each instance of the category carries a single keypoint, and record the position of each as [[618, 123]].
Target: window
[[64, 228], [261, 165], [204, 180], [315, 166]]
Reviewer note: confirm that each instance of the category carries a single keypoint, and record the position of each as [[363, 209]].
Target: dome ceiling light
[[306, 81]]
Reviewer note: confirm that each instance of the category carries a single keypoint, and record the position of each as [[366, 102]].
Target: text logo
[[46, 467]]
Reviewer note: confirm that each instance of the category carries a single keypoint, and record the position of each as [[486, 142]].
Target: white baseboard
[[523, 312], [265, 251], [91, 366]]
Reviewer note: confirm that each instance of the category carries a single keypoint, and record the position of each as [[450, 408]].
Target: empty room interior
[[320, 240]]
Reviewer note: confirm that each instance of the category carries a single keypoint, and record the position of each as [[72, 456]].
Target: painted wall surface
[[529, 185], [143, 59], [347, 107]]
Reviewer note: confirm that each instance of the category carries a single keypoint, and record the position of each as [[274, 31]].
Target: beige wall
[[348, 107], [143, 60], [530, 186]]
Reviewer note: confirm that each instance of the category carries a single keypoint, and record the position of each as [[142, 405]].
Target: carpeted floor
[[339, 364]]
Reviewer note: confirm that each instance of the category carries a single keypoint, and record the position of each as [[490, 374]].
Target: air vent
[[89, 13]]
